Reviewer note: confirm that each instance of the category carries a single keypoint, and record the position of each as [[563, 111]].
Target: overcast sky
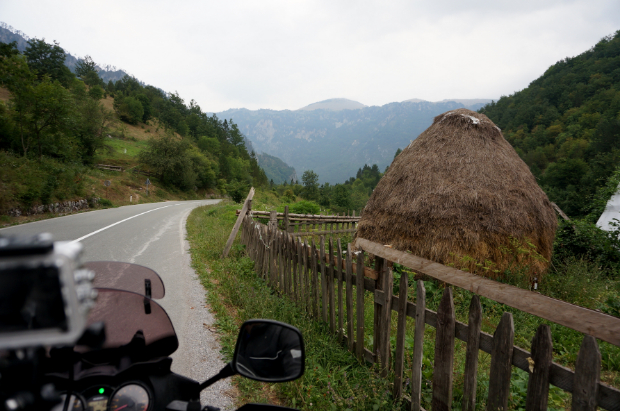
[[286, 54]]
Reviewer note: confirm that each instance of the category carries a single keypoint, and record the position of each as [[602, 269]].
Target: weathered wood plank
[[386, 320], [378, 309], [538, 383], [307, 233], [323, 281], [597, 324], [315, 280], [306, 278], [587, 376], [298, 276], [501, 359], [340, 308], [349, 296], [246, 206], [330, 290], [399, 359], [471, 356], [418, 346], [444, 354], [359, 288]]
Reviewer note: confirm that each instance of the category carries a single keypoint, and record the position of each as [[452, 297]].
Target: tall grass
[[334, 378]]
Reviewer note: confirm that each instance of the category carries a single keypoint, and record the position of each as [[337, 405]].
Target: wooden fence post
[[273, 219], [286, 223], [538, 384], [324, 280], [349, 297], [418, 347], [340, 308], [471, 357], [315, 280], [587, 375], [359, 285], [444, 354], [246, 207], [399, 360], [501, 364], [330, 287]]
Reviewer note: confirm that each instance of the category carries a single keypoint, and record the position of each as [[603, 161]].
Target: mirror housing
[[269, 351]]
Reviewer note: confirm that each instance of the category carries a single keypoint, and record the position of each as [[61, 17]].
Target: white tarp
[[612, 210]]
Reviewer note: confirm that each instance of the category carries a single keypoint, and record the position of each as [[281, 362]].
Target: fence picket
[[323, 280], [315, 280], [418, 347], [378, 308], [444, 354], [587, 375], [349, 296], [538, 384], [399, 359], [501, 359], [471, 356], [306, 278], [359, 288], [291, 266], [330, 287], [340, 310]]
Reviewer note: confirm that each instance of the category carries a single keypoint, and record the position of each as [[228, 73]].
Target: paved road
[[152, 235]]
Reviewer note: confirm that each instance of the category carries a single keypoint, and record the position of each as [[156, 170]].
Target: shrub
[[105, 203], [585, 241], [304, 207]]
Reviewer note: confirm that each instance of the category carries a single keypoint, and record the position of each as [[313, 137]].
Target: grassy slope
[[24, 178], [334, 379]]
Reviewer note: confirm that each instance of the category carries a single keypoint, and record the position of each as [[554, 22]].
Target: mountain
[[470, 103], [335, 144], [106, 72], [334, 104], [276, 169]]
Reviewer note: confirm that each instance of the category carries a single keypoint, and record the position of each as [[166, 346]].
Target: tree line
[[353, 194], [57, 114], [566, 125]]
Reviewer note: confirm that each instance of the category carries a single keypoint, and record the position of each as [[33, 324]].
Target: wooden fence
[[309, 224], [333, 290], [109, 167]]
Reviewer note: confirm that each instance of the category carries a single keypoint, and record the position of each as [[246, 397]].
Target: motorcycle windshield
[[126, 276], [125, 314]]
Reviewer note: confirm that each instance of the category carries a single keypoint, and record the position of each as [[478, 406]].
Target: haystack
[[460, 195]]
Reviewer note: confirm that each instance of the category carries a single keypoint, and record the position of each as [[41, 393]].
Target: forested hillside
[[54, 119], [277, 170], [336, 143], [566, 126]]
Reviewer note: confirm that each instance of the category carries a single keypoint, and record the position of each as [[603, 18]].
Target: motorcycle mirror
[[269, 351]]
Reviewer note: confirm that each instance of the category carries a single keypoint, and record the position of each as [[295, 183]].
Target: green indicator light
[[101, 390]]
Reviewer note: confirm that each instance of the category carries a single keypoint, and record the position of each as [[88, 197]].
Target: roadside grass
[[26, 182], [236, 294], [334, 379]]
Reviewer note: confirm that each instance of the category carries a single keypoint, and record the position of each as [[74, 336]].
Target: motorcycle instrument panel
[[130, 397]]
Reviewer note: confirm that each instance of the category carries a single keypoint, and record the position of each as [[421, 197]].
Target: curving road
[[153, 235]]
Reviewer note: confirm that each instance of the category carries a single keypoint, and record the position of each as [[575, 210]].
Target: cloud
[[282, 54]]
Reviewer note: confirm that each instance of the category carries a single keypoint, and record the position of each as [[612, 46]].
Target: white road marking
[[118, 222]]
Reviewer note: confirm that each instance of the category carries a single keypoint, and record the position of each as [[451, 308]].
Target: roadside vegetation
[[334, 378], [57, 125]]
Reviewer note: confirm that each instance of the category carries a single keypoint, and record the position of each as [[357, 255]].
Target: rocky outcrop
[[64, 207]]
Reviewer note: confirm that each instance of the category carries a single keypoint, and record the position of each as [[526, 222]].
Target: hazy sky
[[287, 54]]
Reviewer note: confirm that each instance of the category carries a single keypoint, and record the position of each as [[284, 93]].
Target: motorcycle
[[122, 360]]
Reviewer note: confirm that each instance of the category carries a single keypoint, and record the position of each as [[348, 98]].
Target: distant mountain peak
[[467, 102], [334, 104]]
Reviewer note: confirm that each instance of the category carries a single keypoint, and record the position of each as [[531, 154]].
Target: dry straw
[[460, 195]]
